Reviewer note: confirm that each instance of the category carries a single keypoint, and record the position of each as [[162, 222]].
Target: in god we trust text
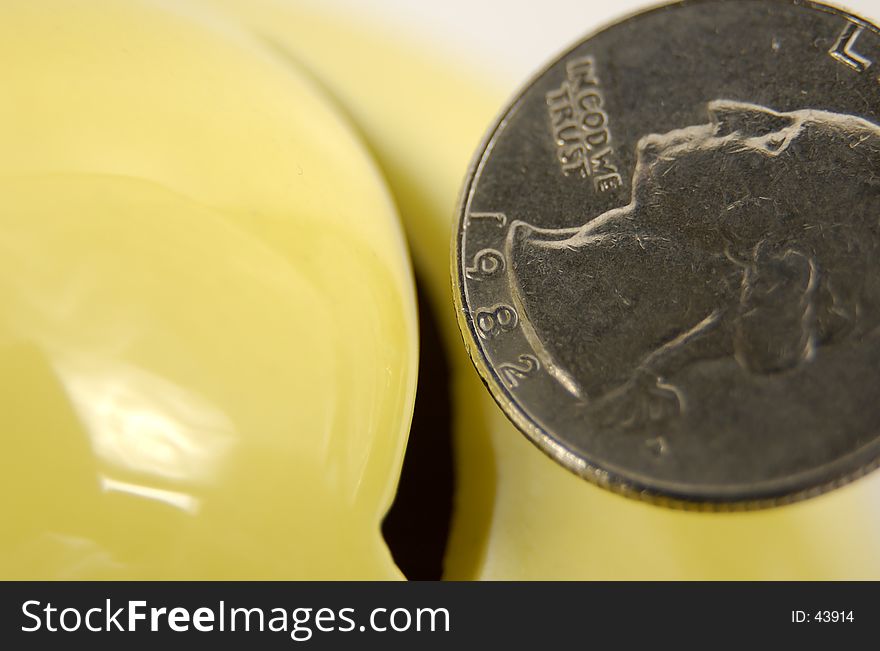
[[580, 126]]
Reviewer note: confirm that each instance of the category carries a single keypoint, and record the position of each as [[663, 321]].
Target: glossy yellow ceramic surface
[[518, 514], [207, 325]]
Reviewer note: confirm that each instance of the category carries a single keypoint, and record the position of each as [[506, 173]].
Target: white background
[[510, 39]]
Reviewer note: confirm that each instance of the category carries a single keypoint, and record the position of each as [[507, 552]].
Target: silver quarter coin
[[667, 259]]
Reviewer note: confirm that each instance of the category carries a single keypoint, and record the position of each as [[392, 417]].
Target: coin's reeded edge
[[530, 426]]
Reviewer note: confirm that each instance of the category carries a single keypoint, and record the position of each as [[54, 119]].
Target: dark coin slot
[[416, 528]]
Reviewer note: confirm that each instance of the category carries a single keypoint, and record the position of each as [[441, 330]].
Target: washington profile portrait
[[753, 236]]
